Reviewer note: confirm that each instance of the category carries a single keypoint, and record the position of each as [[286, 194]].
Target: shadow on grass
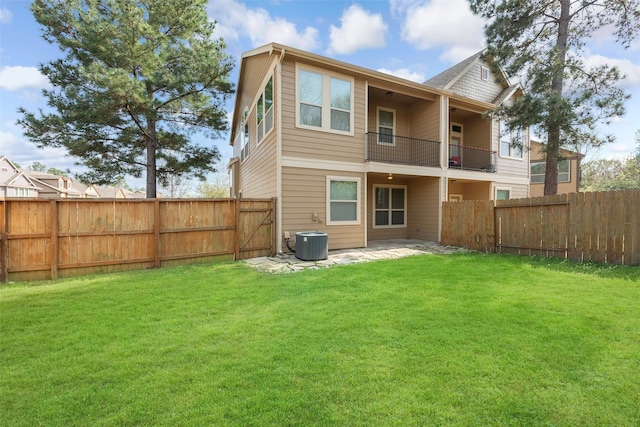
[[609, 271]]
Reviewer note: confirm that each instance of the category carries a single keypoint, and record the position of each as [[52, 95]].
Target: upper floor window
[[264, 110], [244, 134], [390, 206], [511, 141], [325, 101], [538, 170], [21, 192], [484, 73], [386, 125]]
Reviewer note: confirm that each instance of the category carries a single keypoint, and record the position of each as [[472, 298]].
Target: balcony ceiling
[[395, 97]]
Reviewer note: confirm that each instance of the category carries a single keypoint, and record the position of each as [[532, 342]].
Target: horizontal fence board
[[46, 239], [601, 227]]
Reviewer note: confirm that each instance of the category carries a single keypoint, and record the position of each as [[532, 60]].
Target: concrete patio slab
[[375, 251]]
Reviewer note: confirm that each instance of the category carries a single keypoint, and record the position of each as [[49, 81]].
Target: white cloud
[[628, 68], [447, 24], [5, 15], [235, 20], [359, 30], [405, 73], [17, 78], [18, 149]]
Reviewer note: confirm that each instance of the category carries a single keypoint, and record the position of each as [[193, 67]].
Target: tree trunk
[[152, 144], [556, 106]]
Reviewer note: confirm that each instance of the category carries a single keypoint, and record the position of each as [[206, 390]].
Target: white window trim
[[244, 140], [393, 129], [498, 188], [511, 148], [326, 100], [484, 73], [373, 204], [358, 199], [264, 113]]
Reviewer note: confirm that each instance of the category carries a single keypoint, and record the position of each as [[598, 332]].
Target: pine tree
[[543, 42], [138, 80]]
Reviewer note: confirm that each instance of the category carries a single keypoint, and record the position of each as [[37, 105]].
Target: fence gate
[[255, 221]]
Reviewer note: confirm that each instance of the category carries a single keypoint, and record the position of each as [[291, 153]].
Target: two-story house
[[14, 182], [363, 155], [568, 170]]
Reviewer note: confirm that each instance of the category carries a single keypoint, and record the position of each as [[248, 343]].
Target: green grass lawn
[[464, 339]]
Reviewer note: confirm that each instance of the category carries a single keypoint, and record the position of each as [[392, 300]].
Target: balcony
[[472, 158], [402, 150]]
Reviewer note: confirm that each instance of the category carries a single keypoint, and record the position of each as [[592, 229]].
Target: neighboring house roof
[[108, 192], [44, 179], [538, 154], [20, 180], [134, 194]]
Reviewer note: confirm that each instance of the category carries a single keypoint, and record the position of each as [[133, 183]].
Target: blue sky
[[413, 39]]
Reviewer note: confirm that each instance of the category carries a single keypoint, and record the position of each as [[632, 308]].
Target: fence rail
[[601, 227], [47, 239]]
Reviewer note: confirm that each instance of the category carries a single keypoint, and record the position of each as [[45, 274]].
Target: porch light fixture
[[390, 177], [389, 94]]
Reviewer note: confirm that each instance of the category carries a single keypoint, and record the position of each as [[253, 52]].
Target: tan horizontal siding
[[317, 144], [304, 194], [423, 203], [425, 120], [423, 206], [258, 172]]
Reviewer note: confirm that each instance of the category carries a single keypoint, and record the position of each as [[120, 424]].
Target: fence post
[[4, 244], [53, 251], [237, 231], [156, 233], [274, 232]]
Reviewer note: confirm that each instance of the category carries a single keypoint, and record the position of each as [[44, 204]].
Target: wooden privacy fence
[[601, 227], [47, 239]]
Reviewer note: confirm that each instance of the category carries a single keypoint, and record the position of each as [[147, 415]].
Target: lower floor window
[[390, 206], [503, 194], [343, 200]]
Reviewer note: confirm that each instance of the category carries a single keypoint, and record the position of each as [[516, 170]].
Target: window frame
[[484, 73], [560, 173], [390, 207], [262, 112], [244, 135], [507, 189], [393, 128], [515, 153], [325, 106], [358, 200]]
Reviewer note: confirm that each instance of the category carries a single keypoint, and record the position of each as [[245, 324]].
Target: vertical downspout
[[279, 157]]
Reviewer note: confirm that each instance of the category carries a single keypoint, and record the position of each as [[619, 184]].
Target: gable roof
[[507, 93], [448, 77], [20, 180]]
